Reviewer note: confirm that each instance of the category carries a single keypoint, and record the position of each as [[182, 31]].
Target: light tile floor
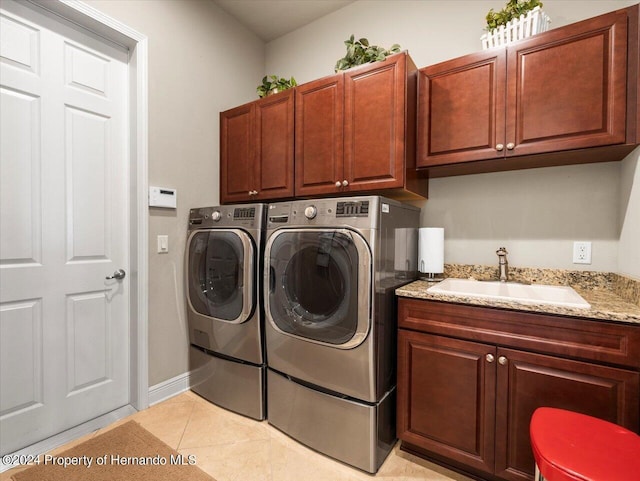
[[231, 447]]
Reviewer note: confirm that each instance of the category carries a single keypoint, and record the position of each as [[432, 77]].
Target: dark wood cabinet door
[[374, 126], [273, 168], [526, 381], [446, 398], [567, 88], [461, 109], [236, 154], [319, 136]]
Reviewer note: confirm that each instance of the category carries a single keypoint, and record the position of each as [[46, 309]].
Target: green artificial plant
[[272, 84], [513, 9], [360, 52]]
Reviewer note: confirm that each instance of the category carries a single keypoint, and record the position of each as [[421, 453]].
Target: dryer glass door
[[319, 285], [220, 277]]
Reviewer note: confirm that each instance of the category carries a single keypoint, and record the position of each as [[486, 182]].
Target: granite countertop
[[612, 297]]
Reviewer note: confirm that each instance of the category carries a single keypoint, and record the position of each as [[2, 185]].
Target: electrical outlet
[[582, 252]]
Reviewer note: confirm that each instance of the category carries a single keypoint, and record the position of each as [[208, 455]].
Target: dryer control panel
[[356, 212], [352, 208]]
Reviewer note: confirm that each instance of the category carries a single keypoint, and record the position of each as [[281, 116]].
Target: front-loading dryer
[[331, 270], [223, 286]]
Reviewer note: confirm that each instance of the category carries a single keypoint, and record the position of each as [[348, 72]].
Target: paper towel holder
[[431, 254], [431, 276]]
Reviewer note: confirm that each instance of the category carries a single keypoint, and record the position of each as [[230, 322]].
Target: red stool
[[568, 446]]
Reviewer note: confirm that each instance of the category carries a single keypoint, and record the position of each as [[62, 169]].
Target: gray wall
[[201, 61], [629, 216], [536, 214]]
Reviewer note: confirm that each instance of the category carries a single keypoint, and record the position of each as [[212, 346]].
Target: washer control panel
[[246, 216], [244, 213]]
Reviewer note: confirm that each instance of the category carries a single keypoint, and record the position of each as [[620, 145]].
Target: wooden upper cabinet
[[355, 132], [374, 127], [461, 109], [571, 88], [348, 133], [274, 134], [256, 150], [319, 136], [236, 154], [567, 89]]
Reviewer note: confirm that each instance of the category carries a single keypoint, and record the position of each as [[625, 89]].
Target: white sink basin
[[532, 294]]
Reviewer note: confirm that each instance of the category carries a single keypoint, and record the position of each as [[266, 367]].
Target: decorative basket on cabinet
[[535, 21]]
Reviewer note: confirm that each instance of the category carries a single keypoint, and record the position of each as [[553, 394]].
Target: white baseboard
[[169, 388]]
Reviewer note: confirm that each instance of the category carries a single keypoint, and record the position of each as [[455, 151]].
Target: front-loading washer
[[331, 270], [224, 309]]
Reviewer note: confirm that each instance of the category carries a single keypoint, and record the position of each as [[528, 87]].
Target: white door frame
[[115, 31], [112, 30]]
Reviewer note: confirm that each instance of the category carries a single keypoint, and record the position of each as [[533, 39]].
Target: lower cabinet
[[446, 398], [467, 403]]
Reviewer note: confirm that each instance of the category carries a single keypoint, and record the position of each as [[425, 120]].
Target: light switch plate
[[163, 244]]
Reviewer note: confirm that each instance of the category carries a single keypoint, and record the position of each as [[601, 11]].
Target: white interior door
[[64, 327]]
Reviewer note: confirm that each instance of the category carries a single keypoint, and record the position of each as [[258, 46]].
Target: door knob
[[338, 183], [510, 146], [502, 360], [345, 183], [119, 274], [489, 358], [499, 147]]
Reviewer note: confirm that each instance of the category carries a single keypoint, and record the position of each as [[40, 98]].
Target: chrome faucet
[[503, 265]]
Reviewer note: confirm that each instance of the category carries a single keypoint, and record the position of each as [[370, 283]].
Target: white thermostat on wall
[[163, 197]]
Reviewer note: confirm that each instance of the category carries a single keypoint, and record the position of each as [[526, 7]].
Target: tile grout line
[[271, 457], [184, 430]]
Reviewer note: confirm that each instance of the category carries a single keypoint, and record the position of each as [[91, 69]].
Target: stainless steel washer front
[[223, 266], [221, 282]]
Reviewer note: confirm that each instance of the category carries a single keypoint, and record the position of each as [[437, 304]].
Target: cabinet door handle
[[250, 192], [489, 358], [345, 183], [338, 183], [499, 147], [502, 360], [510, 146]]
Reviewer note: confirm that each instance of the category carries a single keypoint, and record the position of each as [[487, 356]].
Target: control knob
[[216, 216], [310, 212]]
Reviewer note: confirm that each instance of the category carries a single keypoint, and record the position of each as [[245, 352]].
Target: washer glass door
[[220, 278], [318, 285]]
